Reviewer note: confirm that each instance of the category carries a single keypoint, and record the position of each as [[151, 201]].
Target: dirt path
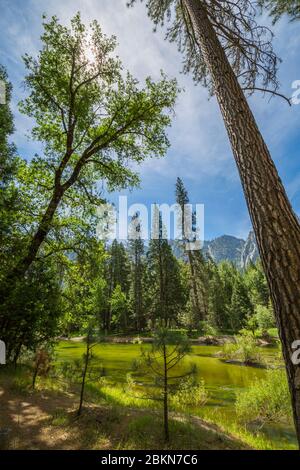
[[47, 420]]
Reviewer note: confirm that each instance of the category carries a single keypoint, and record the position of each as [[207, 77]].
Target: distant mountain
[[224, 248], [238, 251], [250, 251]]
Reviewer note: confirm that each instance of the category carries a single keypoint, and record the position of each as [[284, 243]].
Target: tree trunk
[[86, 362], [162, 286], [41, 233], [201, 314], [166, 407], [276, 226], [35, 373]]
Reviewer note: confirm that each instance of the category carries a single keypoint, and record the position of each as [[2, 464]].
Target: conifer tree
[[117, 274], [136, 252], [278, 8], [168, 297], [195, 259]]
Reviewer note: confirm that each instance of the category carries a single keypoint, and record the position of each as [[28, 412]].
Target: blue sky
[[200, 153]]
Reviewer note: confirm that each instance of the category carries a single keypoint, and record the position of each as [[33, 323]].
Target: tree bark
[[275, 224], [200, 309], [166, 405], [41, 233], [86, 363]]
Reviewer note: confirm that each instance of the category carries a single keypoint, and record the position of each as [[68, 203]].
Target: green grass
[[222, 381], [112, 423]]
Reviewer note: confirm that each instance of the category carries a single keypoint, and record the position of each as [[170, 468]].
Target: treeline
[[133, 288]]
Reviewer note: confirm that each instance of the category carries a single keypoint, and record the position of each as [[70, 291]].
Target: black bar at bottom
[[136, 459]]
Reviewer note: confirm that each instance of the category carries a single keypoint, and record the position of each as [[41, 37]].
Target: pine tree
[[278, 8], [198, 283], [166, 289], [117, 274], [241, 306], [136, 252], [256, 283], [167, 352], [220, 293]]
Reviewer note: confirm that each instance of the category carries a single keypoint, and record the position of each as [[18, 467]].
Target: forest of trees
[[164, 293]]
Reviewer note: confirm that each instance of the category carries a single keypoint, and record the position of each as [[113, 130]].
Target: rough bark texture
[[276, 226], [86, 363], [40, 234], [166, 404]]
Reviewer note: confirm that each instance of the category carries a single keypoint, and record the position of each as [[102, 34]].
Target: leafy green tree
[[9, 194], [85, 286], [257, 285], [7, 150], [119, 309], [264, 317], [241, 306], [278, 8], [35, 311], [91, 117], [32, 316], [217, 305], [222, 279]]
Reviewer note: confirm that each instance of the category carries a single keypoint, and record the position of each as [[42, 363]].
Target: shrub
[[265, 318], [244, 349], [267, 400], [41, 364], [189, 393], [206, 329], [261, 321]]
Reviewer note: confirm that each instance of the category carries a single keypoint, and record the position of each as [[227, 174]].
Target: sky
[[199, 153]]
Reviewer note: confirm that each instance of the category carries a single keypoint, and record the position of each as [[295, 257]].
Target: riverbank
[[209, 340], [45, 420]]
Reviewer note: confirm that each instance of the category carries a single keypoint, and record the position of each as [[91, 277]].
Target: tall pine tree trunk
[[165, 396], [198, 300], [276, 227]]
